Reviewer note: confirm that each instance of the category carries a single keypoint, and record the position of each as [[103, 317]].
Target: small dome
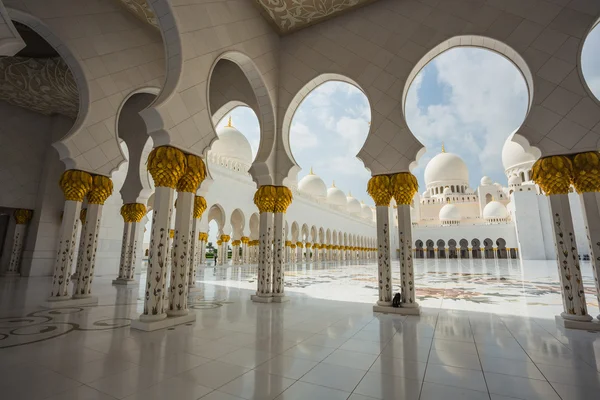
[[486, 181], [426, 194], [449, 213], [366, 211], [495, 210], [514, 180], [446, 167], [447, 191], [335, 196], [232, 144], [513, 154], [313, 185], [353, 205]]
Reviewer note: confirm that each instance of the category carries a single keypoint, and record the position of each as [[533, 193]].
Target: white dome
[[446, 167], [366, 211], [313, 185], [485, 181], [513, 154], [335, 196], [495, 210], [447, 191], [514, 180], [353, 205], [232, 144], [449, 213], [426, 194]]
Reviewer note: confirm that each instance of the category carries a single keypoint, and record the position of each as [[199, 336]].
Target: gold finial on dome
[[443, 148], [311, 171], [229, 123], [349, 193], [332, 184]]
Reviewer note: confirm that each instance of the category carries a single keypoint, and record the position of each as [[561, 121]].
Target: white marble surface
[[307, 348]]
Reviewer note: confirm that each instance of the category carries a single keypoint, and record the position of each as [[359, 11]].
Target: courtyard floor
[[487, 331]]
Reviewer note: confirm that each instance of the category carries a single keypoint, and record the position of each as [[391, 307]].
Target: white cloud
[[484, 101], [301, 137]]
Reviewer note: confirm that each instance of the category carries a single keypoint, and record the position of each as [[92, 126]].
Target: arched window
[[452, 188], [488, 198], [523, 176]]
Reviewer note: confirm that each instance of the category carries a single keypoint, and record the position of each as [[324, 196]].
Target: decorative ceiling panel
[[44, 85], [142, 10], [290, 15]]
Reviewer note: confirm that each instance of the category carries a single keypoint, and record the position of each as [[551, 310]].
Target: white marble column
[[265, 257], [22, 218], [180, 268], [197, 241], [575, 307], [85, 271], [245, 258], [75, 186], [78, 245], [132, 214], [590, 202], [383, 263], [166, 165], [407, 274], [278, 256], [224, 249]]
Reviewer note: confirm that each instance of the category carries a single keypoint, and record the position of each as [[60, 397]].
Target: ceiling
[[286, 16], [291, 15]]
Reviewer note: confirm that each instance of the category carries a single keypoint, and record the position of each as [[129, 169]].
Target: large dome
[[313, 185], [495, 210], [353, 205], [232, 144], [335, 196], [446, 167], [449, 213], [513, 154]]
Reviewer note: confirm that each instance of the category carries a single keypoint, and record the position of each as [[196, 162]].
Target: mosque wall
[[468, 232]]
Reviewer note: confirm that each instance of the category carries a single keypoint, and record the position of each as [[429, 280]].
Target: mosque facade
[[452, 220]]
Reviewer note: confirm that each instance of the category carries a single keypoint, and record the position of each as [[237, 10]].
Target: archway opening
[[327, 130], [590, 61], [466, 101]]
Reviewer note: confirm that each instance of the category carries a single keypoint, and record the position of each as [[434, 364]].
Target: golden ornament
[[102, 188], [283, 199], [166, 165], [404, 186], [225, 238], [586, 172], [265, 198], [553, 174], [133, 212], [379, 188], [199, 206], [194, 174], [22, 216], [75, 184]]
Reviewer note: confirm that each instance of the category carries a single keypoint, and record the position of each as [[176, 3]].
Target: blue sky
[[471, 99]]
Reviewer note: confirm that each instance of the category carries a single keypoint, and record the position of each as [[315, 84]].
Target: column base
[[586, 325], [149, 326], [261, 299], [126, 282], [397, 310], [70, 302], [10, 274], [280, 299]]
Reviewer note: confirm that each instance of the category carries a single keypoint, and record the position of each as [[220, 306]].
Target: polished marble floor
[[322, 344]]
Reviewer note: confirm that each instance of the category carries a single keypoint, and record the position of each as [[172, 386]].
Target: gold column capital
[[404, 186], [586, 172], [299, 244], [553, 174], [203, 236], [379, 188], [199, 206], [219, 242], [193, 175], [225, 238], [236, 242], [75, 184], [166, 165], [283, 199], [245, 239], [22, 216], [133, 212], [102, 188]]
